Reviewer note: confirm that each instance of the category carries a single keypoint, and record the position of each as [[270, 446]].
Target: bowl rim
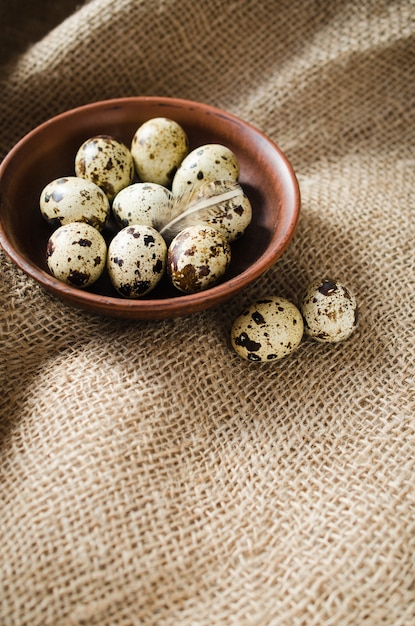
[[182, 304]]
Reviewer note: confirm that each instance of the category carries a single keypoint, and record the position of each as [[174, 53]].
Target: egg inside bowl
[[48, 152]]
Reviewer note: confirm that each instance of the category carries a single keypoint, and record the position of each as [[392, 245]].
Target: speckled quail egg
[[267, 330], [158, 147], [329, 310], [73, 199], [105, 161], [143, 203], [232, 213], [206, 163], [197, 258], [136, 260], [76, 254]]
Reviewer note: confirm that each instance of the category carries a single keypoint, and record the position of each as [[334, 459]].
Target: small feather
[[199, 204]]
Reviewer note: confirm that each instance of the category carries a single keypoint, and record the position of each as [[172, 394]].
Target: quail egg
[[76, 254], [158, 147], [136, 260], [73, 199], [329, 310], [206, 163], [267, 330], [197, 258], [107, 162], [143, 203]]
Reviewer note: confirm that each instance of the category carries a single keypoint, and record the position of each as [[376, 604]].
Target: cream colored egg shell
[[267, 330], [329, 310], [107, 162], [136, 260], [158, 147], [197, 258], [209, 162], [143, 203], [76, 254], [73, 199]]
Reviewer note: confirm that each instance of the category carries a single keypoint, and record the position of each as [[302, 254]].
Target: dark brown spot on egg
[[190, 251], [258, 317], [132, 231], [253, 357], [327, 287], [50, 248], [125, 290], [158, 267], [244, 341], [85, 195], [189, 277], [346, 294], [141, 286], [78, 279], [85, 243], [148, 240], [204, 270]]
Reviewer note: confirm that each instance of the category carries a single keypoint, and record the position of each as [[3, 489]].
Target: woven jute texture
[[147, 474]]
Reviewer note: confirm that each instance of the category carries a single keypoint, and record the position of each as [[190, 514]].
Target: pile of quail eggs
[[147, 190], [149, 187]]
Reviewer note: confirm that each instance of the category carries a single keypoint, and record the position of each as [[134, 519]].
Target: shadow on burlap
[[149, 476]]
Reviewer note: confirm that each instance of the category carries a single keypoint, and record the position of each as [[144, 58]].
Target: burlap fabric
[[148, 475]]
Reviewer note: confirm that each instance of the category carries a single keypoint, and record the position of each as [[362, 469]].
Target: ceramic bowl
[[48, 152]]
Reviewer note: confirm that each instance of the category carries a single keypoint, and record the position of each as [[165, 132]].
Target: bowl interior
[[48, 152]]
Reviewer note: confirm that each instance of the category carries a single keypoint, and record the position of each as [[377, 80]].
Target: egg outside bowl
[[48, 152]]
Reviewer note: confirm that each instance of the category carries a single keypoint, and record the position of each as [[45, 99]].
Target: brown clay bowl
[[48, 152]]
